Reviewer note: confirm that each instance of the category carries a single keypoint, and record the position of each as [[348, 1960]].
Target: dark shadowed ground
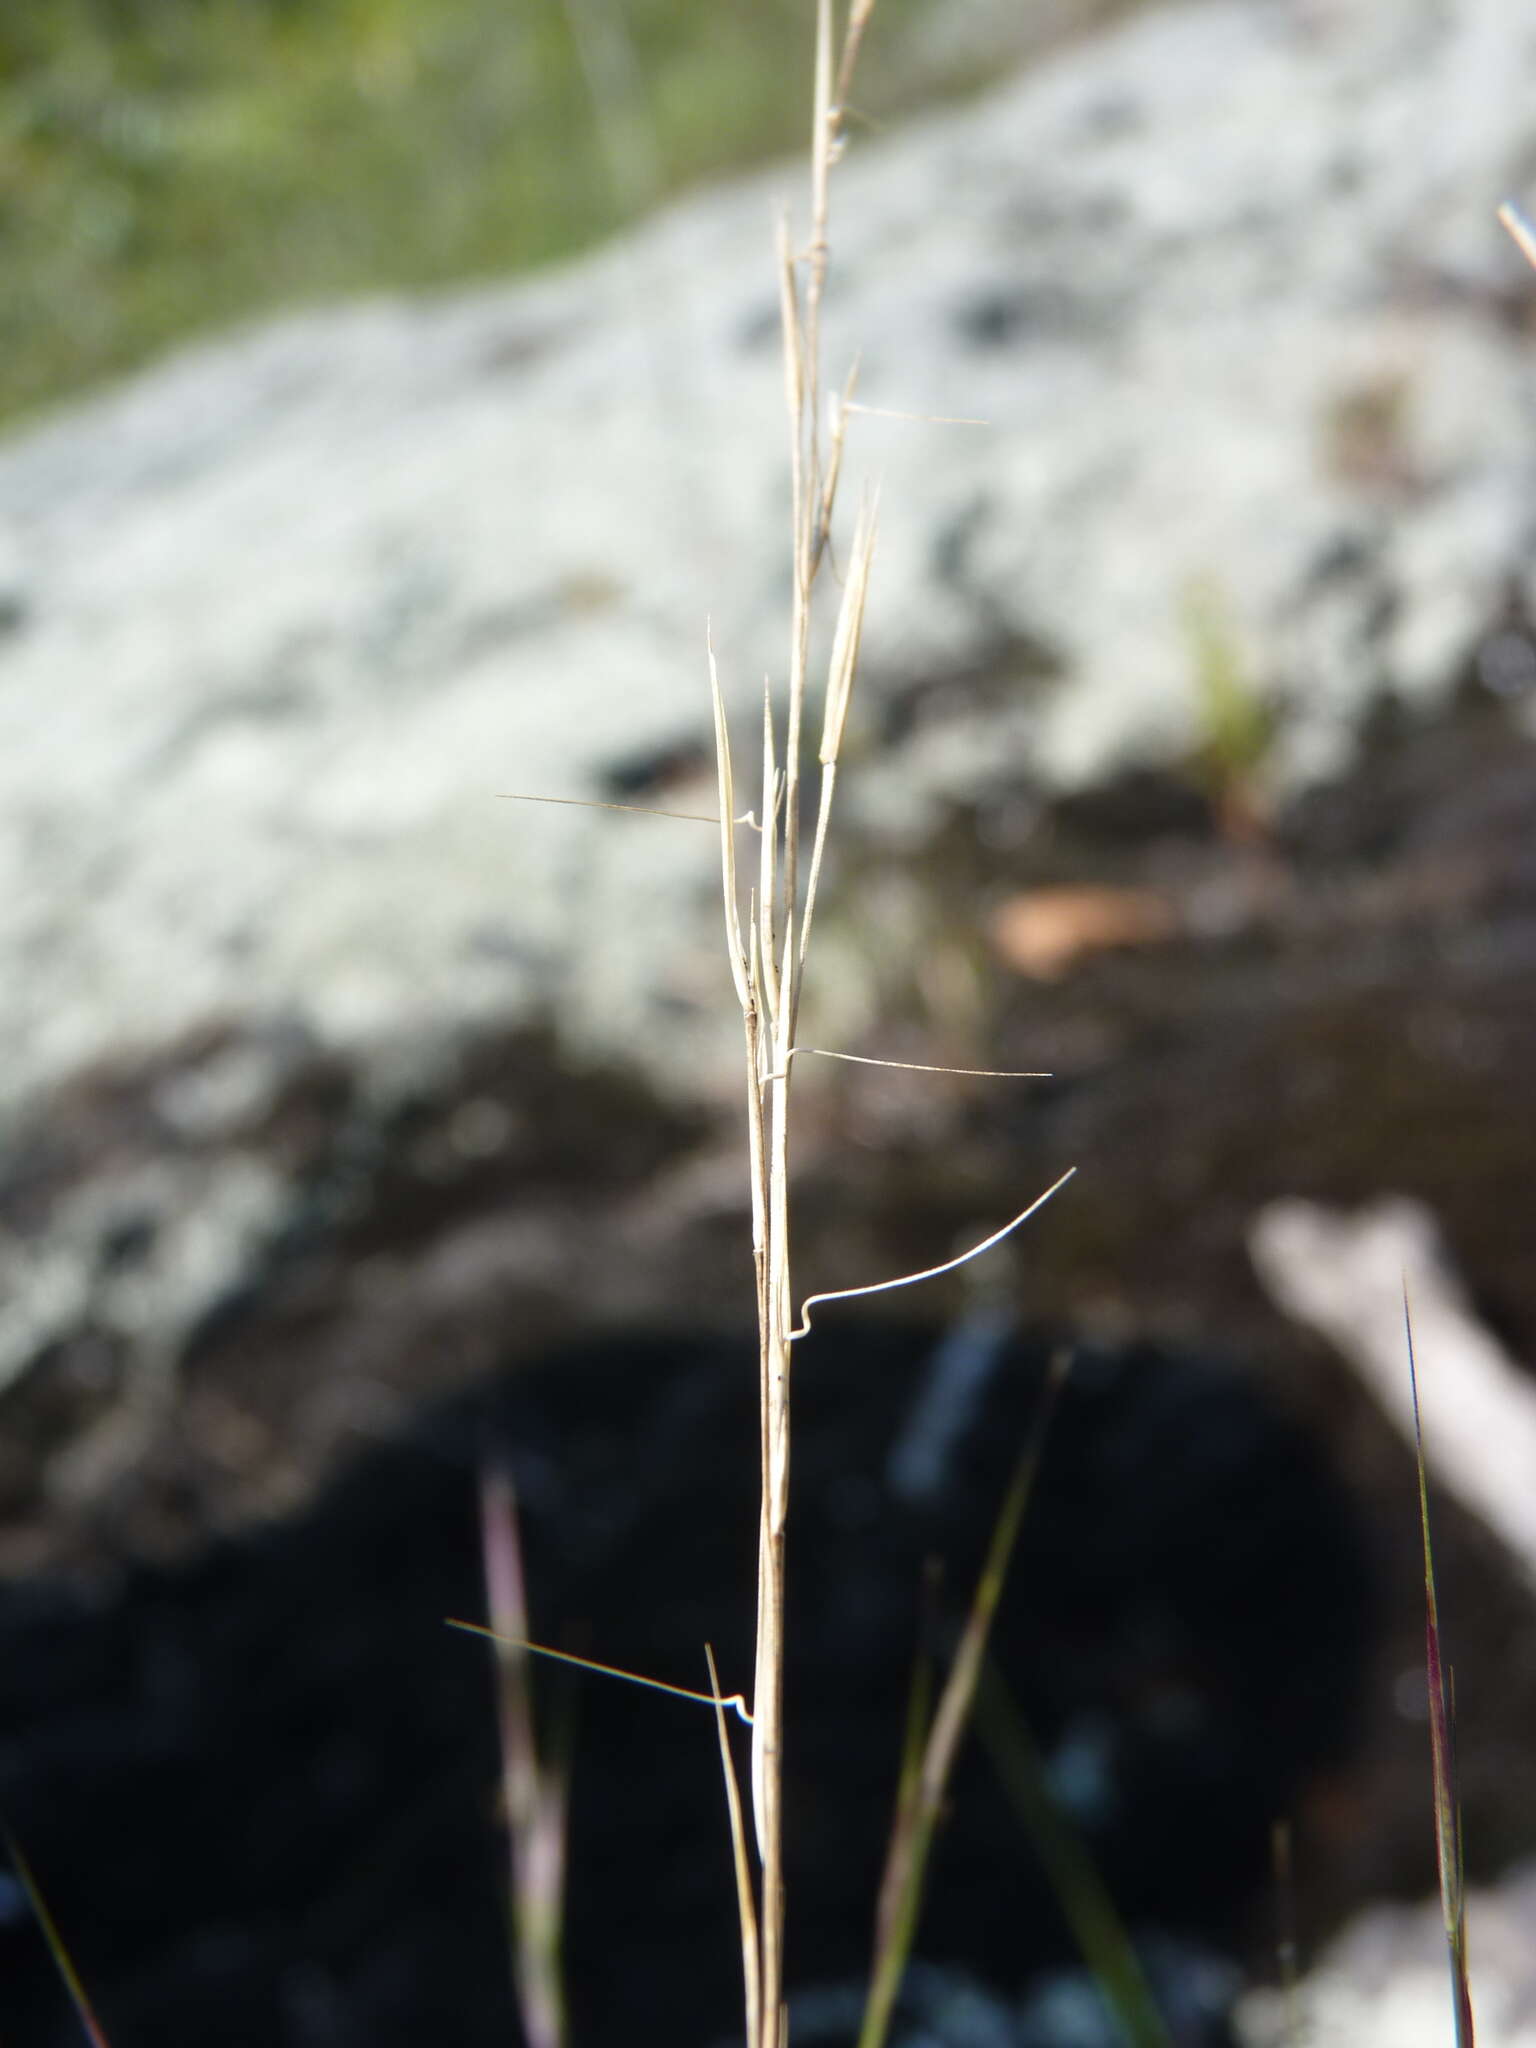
[[274, 1753], [260, 1791]]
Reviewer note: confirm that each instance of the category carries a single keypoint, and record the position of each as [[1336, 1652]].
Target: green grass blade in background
[[927, 1766], [1287, 1947], [1080, 1890]]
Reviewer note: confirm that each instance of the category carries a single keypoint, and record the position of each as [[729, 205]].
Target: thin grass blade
[[63, 1962], [734, 1701], [735, 950], [746, 1907], [901, 1888], [1080, 1891], [929, 1272], [909, 1781], [1448, 1849], [1287, 1948], [765, 967]]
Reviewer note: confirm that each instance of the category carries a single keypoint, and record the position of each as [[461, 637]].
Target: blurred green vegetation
[[168, 165]]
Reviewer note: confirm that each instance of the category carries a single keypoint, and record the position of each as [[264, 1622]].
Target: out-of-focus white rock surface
[[1385, 1983], [1354, 1279], [281, 617]]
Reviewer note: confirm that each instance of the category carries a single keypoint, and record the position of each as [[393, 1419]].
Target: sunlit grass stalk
[[767, 942], [767, 949]]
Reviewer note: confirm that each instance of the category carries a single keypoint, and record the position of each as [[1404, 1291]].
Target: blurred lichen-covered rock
[[284, 615]]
